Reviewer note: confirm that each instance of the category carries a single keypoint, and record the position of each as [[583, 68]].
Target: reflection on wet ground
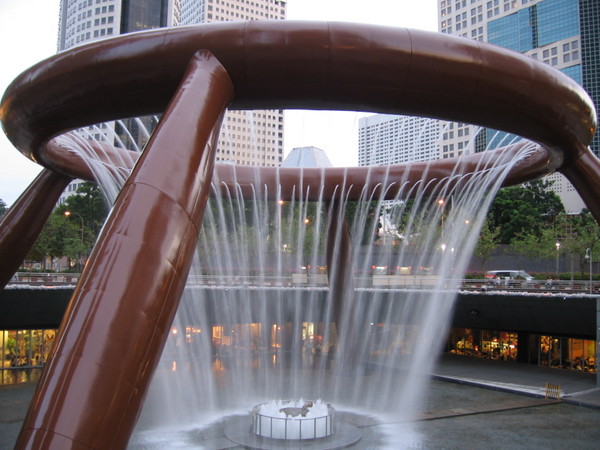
[[454, 416]]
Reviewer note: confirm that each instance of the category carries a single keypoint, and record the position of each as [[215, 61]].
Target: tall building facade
[[252, 138], [247, 137], [385, 139], [84, 21], [560, 33]]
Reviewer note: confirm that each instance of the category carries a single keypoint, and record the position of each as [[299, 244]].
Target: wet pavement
[[470, 404]]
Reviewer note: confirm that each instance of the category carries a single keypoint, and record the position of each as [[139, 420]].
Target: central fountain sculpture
[[86, 397]]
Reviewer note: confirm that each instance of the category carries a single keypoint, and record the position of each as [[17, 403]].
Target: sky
[[28, 34]]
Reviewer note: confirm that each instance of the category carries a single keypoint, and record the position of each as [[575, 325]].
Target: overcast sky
[[28, 34]]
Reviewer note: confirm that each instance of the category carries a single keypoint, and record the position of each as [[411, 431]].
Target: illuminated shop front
[[549, 351], [489, 344], [23, 350], [558, 352]]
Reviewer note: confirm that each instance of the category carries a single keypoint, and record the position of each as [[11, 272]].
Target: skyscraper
[[561, 33], [247, 137], [88, 20], [83, 21], [385, 139]]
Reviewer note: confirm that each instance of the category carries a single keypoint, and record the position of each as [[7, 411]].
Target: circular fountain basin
[[293, 420], [289, 424]]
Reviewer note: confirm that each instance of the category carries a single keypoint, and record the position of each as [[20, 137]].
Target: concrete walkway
[[578, 388]]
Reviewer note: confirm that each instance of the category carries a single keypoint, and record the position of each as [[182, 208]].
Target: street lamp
[[557, 254], [68, 214], [588, 257], [441, 202]]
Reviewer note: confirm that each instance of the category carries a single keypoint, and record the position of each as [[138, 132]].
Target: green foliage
[[281, 227], [90, 205], [53, 238], [579, 233], [367, 228], [575, 234], [539, 244], [75, 235], [487, 243], [3, 207], [524, 209]]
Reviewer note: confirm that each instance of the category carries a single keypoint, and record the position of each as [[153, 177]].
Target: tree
[[487, 243], [64, 236], [90, 207], [52, 240], [580, 232], [539, 244], [3, 208], [363, 219], [524, 209]]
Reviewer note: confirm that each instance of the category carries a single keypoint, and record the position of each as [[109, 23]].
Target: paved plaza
[[471, 404]]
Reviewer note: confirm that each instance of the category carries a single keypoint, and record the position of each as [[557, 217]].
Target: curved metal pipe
[[312, 65], [535, 164]]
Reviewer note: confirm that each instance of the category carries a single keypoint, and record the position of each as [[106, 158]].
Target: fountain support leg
[[119, 317], [23, 222]]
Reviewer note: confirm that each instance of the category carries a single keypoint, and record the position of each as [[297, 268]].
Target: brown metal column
[[23, 222], [340, 271], [584, 174], [117, 322], [339, 259]]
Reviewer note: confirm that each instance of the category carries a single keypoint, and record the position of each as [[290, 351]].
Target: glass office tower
[[561, 33]]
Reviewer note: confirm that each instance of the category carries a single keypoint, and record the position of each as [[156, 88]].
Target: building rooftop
[[307, 157]]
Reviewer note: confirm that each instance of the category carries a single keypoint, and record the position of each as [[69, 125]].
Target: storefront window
[[23, 350], [490, 344], [582, 355], [565, 353], [463, 341]]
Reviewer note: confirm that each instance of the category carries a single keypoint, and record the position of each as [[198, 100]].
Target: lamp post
[[442, 202], [588, 257], [557, 255], [69, 214]]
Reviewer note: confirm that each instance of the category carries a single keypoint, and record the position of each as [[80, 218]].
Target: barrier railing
[[364, 281], [292, 428], [552, 391]]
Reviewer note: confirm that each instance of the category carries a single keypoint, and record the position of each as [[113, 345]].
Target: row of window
[[458, 4], [265, 4], [72, 31], [83, 5], [549, 351], [245, 144]]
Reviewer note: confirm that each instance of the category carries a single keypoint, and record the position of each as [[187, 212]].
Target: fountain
[[128, 307], [293, 420]]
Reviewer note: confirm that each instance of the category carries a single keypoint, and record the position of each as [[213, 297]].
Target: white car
[[510, 278]]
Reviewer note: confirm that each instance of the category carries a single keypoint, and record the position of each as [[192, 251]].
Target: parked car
[[379, 270], [509, 278]]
